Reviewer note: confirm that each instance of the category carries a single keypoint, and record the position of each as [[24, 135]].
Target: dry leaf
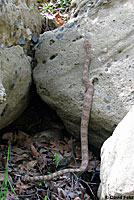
[[28, 165], [34, 152], [22, 136], [2, 177], [8, 136], [21, 187]]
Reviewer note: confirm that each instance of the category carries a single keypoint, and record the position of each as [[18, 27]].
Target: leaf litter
[[40, 155]]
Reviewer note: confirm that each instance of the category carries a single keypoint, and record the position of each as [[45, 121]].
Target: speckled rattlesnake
[[84, 125]]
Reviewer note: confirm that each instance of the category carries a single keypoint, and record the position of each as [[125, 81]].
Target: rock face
[[78, 7], [61, 57], [19, 21], [15, 79], [58, 74], [117, 166]]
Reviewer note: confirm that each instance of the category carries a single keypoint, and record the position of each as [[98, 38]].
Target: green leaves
[[53, 7], [57, 160], [64, 1], [6, 183]]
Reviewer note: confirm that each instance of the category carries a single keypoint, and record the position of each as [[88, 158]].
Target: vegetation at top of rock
[[55, 9], [57, 3]]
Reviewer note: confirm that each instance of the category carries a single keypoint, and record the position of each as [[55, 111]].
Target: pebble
[[59, 36], [76, 63], [108, 107], [69, 25], [21, 40], [35, 39], [107, 99]]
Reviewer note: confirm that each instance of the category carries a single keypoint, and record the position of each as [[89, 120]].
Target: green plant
[[13, 190], [67, 2], [62, 1], [53, 7], [57, 160], [6, 182], [41, 182]]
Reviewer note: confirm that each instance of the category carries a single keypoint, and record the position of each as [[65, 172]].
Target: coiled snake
[[84, 125]]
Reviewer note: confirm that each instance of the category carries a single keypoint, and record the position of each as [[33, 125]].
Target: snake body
[[84, 126]]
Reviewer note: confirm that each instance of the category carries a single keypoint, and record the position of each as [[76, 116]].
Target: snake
[[83, 129]]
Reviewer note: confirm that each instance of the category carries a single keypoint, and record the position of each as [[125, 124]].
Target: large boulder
[[61, 57], [117, 166], [15, 79], [19, 22]]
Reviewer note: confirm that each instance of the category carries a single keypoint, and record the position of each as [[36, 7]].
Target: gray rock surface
[[117, 165], [19, 21], [79, 7], [61, 57], [15, 78]]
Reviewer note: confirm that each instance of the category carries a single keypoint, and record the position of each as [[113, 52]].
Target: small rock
[[107, 99], [59, 36], [76, 63], [21, 40], [35, 39], [70, 25]]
